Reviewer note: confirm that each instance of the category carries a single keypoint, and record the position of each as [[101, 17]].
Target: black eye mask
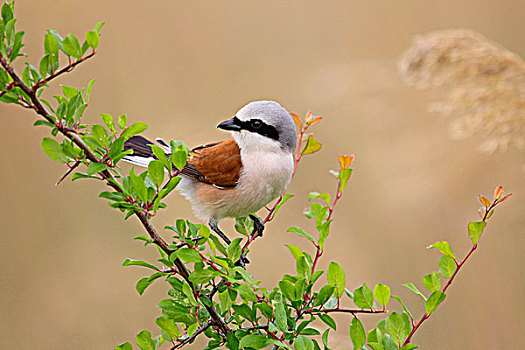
[[259, 127]]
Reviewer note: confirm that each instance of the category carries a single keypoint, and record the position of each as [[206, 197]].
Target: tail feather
[[142, 154]]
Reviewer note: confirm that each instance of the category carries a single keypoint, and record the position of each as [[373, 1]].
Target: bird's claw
[[258, 226]]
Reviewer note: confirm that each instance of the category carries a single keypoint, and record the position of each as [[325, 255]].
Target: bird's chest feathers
[[264, 176]]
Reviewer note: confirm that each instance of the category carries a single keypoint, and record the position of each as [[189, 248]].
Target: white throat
[[251, 142]]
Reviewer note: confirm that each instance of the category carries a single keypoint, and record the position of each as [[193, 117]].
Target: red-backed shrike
[[239, 176]]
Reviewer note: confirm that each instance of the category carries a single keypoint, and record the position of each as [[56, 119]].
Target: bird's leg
[[258, 226], [215, 227]]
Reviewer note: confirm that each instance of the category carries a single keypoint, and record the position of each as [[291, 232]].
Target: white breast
[[264, 177]]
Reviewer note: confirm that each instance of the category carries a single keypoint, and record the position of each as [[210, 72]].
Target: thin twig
[[66, 69], [71, 168], [195, 335]]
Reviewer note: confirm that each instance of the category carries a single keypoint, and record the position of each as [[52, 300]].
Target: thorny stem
[[111, 181], [189, 339]]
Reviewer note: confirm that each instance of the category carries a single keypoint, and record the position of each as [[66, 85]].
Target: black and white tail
[[142, 154]]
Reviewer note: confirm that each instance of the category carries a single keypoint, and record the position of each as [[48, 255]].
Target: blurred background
[[182, 67]]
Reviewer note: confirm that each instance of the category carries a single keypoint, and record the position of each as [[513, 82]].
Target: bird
[[238, 176]]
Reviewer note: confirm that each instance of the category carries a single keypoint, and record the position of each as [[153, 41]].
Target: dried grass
[[486, 82]]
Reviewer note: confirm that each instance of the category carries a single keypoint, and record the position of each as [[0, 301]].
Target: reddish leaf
[[315, 121], [498, 192], [484, 201], [296, 119], [346, 161]]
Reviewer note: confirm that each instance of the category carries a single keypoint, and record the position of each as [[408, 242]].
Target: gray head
[[262, 124]]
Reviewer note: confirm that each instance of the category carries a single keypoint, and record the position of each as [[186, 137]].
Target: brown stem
[[449, 282], [66, 69], [195, 335], [71, 168]]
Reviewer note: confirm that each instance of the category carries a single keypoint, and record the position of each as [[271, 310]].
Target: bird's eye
[[256, 124]]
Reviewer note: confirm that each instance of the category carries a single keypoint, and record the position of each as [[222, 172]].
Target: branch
[[111, 181], [489, 207], [188, 340], [66, 69]]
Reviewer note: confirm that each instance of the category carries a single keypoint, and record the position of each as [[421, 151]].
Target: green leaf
[[7, 11], [161, 155], [69, 91], [403, 306], [285, 198], [344, 177], [357, 333], [186, 290], [134, 129], [94, 168], [170, 186], [432, 282], [201, 276], [336, 277], [444, 248], [139, 186], [398, 327], [156, 172], [125, 346], [53, 150], [188, 255], [382, 294], [447, 266], [409, 347], [254, 341], [234, 249], [303, 343], [77, 176], [288, 290], [122, 120], [433, 301], [300, 232], [296, 251], [108, 121], [312, 146], [244, 225], [131, 262], [324, 294], [280, 314], [89, 88], [43, 122], [475, 229], [179, 157], [71, 46], [246, 292], [324, 231], [414, 289], [145, 282], [99, 26], [329, 321], [363, 297], [168, 326], [316, 195], [144, 341], [93, 39]]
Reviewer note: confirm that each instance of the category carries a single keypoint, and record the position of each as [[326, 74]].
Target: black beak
[[231, 124]]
